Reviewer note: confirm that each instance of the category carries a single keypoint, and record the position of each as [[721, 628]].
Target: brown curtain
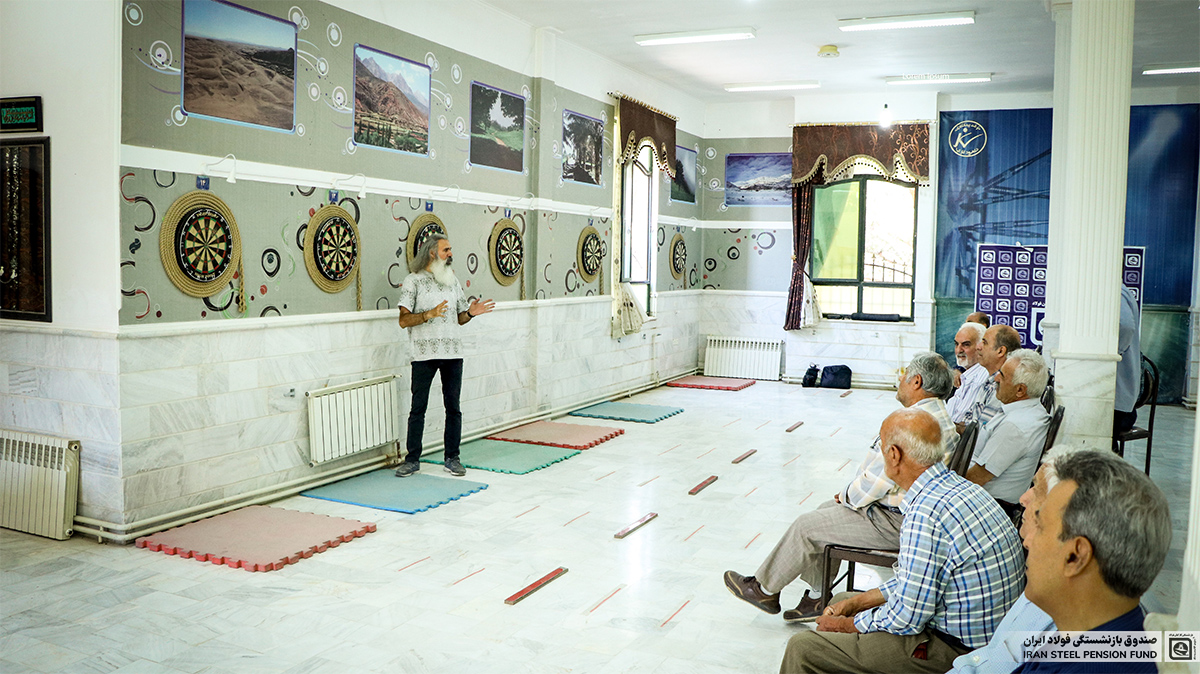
[[640, 121], [834, 146], [802, 221], [822, 150]]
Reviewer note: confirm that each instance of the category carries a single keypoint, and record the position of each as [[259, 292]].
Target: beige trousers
[[800, 553]]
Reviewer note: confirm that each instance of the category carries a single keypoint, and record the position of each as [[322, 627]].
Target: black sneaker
[[454, 467], [808, 610], [407, 468]]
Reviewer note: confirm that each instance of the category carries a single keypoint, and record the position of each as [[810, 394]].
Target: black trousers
[[422, 378]]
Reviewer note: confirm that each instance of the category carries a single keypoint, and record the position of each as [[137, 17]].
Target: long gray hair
[[425, 253]]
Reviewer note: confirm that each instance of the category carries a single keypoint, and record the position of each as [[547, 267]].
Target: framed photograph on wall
[[497, 128], [25, 229], [759, 179], [683, 186], [582, 148], [239, 65], [391, 101]]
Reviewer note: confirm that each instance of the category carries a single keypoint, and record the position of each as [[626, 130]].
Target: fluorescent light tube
[[1176, 69], [940, 78], [720, 35], [773, 86], [908, 21]]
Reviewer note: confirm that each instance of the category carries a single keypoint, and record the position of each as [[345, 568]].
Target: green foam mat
[[382, 490], [646, 414], [499, 456]]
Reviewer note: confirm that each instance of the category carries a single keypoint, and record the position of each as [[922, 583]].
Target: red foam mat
[[256, 538], [715, 383], [571, 436]]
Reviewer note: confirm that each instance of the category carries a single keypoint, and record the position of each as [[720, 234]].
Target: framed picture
[[391, 101], [497, 128], [239, 65], [683, 187], [25, 229], [760, 179], [582, 148]]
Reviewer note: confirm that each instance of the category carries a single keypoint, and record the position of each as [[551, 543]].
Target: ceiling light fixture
[[885, 117], [773, 86], [908, 21], [1174, 69], [939, 78], [719, 35]]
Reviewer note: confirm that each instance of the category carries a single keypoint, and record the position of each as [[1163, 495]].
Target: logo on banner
[[968, 138]]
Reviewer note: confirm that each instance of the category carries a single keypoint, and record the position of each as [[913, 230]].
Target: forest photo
[[497, 128]]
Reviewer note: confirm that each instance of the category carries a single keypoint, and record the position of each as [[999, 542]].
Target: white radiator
[[351, 418], [39, 483], [738, 357]]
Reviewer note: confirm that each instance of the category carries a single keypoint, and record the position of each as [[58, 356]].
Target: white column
[[1061, 11], [1097, 163]]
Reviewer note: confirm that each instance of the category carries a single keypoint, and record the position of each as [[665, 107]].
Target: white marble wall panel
[[65, 384], [873, 351], [1193, 380]]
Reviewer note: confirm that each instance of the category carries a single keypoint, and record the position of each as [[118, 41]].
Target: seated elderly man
[[865, 513], [1009, 446], [1095, 546], [974, 377], [1004, 652], [997, 342], [958, 572]]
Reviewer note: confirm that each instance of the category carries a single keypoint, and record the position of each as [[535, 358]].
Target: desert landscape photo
[[238, 65], [391, 101]]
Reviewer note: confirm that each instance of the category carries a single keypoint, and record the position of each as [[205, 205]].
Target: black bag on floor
[[810, 376], [835, 376]]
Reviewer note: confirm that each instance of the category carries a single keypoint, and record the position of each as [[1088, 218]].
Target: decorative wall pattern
[[746, 259]]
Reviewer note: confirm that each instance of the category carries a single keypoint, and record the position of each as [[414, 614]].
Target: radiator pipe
[[124, 533]]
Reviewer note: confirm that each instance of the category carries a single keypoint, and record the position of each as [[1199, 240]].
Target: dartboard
[[421, 229], [331, 248], [507, 251], [203, 245], [335, 248], [590, 253], [678, 256]]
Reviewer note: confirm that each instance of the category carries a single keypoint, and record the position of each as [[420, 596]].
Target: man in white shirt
[[966, 355], [425, 297], [1011, 445]]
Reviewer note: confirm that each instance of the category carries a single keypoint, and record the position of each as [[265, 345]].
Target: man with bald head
[[959, 570]]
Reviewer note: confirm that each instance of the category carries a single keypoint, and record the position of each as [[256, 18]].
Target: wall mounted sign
[[25, 229], [20, 115]]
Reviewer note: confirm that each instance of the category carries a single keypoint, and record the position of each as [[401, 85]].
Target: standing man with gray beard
[[425, 298]]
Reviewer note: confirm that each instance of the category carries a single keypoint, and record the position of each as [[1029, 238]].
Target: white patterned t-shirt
[[438, 337]]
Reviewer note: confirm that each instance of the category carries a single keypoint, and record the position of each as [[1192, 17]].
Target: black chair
[[959, 462], [1048, 396], [1147, 394]]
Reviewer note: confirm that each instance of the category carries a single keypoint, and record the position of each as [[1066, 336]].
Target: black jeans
[[422, 378]]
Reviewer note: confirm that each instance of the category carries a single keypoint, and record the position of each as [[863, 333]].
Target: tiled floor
[[425, 593]]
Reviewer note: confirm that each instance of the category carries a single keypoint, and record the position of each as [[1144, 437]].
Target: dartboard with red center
[[203, 245], [335, 248]]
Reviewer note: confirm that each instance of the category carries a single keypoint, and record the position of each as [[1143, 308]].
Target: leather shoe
[[750, 591], [808, 610]]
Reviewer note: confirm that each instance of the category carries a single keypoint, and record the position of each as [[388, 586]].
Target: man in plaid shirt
[[866, 513], [959, 571]]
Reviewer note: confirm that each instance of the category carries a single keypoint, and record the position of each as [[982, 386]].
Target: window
[[639, 210], [864, 236]]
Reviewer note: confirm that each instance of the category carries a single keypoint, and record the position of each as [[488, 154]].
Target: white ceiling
[[1012, 38]]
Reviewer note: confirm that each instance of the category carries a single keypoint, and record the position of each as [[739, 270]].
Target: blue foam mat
[[646, 414], [499, 456], [382, 490]]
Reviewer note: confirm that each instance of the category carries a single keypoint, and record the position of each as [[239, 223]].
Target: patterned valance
[[900, 152], [638, 122]]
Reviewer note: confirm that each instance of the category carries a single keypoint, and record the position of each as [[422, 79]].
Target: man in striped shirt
[[960, 569], [866, 513]]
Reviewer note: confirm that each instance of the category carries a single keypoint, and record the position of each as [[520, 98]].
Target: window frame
[[647, 171], [860, 283]]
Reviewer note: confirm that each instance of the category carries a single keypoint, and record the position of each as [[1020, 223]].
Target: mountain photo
[[761, 179], [391, 101]]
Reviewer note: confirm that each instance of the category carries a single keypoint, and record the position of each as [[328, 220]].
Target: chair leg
[[826, 581], [1148, 441], [850, 576]]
